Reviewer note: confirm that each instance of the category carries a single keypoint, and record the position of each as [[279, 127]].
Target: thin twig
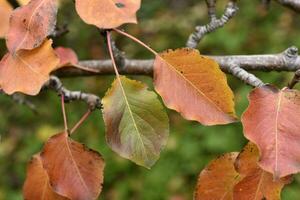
[[295, 80], [245, 76], [21, 99], [92, 100], [214, 24], [292, 4], [60, 31]]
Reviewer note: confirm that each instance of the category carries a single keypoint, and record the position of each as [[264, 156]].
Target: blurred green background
[[163, 24]]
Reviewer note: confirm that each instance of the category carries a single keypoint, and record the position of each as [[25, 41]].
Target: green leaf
[[137, 127]]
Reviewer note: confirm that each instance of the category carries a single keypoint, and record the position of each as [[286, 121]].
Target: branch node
[[291, 52], [92, 100], [290, 57]]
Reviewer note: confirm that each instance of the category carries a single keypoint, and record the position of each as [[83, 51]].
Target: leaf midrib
[[75, 164], [29, 23], [187, 80], [259, 184], [131, 115], [276, 131]]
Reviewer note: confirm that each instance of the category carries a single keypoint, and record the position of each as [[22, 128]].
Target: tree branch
[[285, 61], [293, 4], [55, 84], [214, 24]]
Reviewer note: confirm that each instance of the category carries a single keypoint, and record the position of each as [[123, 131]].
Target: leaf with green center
[[136, 124]]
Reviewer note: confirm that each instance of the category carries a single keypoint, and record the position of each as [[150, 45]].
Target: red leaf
[[195, 86], [108, 14], [5, 12], [272, 122], [74, 171], [27, 71], [217, 180], [37, 186], [31, 24], [67, 56], [256, 184]]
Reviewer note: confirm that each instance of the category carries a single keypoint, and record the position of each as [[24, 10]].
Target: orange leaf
[[74, 171], [256, 184], [5, 12], [31, 24], [67, 56], [272, 122], [27, 71], [217, 180], [195, 86], [37, 186], [108, 14]]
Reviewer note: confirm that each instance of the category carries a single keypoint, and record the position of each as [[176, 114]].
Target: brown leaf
[[256, 184], [66, 56], [108, 14], [74, 171], [217, 180], [195, 86], [27, 71], [272, 122], [31, 24], [5, 12], [37, 186]]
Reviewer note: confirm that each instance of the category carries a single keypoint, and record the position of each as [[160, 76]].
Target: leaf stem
[[80, 122], [136, 40], [108, 35], [64, 113]]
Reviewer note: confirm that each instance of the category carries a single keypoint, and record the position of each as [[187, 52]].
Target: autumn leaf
[[37, 186], [74, 170], [31, 24], [217, 180], [136, 124], [257, 183], [66, 56], [24, 2], [107, 14], [272, 122], [28, 70], [5, 12], [195, 86]]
